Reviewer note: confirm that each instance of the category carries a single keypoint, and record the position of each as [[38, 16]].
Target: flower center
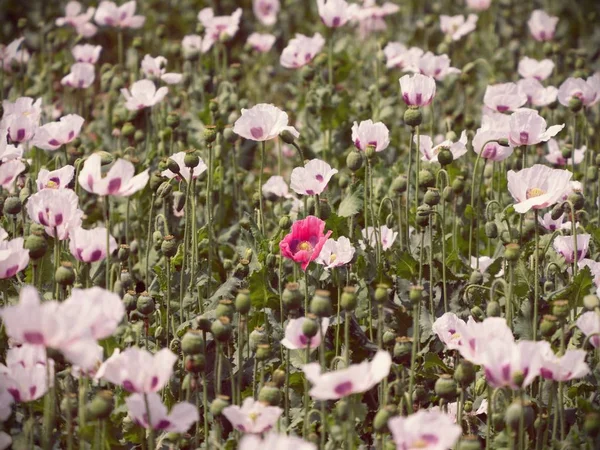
[[332, 258], [305, 246], [534, 192], [253, 416], [51, 185]]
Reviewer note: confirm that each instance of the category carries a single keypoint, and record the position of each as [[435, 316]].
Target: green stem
[[150, 427], [107, 212], [260, 183], [536, 276]]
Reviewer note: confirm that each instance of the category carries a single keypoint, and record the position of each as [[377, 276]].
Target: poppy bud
[[577, 199], [342, 409], [173, 120], [257, 337], [130, 300], [445, 156], [173, 166], [127, 130], [464, 373], [191, 159], [491, 230], [420, 394], [164, 189], [415, 294], [354, 160], [423, 215], [263, 352], [192, 342], [382, 417], [169, 246], [310, 328], [399, 184], [476, 277], [448, 194], [269, 394], [575, 104], [221, 329], [12, 205], [65, 275], [243, 302], [432, 196], [145, 304], [413, 116], [194, 363], [591, 424], [37, 246], [512, 252], [389, 220], [123, 253], [446, 388], [402, 350], [458, 185], [493, 309], [218, 405], [349, 301], [426, 179], [101, 406], [291, 296], [477, 312], [179, 200], [548, 325], [469, 442], [204, 323], [592, 173], [210, 131], [279, 377], [515, 411]]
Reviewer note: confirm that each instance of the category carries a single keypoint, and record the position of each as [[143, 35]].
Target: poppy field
[[308, 224]]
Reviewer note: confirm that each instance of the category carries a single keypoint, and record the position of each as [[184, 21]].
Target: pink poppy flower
[[13, 257], [294, 337], [304, 243], [5, 440], [8, 152], [479, 5], [569, 366], [120, 180], [25, 374], [312, 179], [184, 171], [56, 179], [138, 370], [178, 420], [336, 253], [218, 27], [354, 379], [273, 441], [370, 17], [335, 13], [191, 45], [262, 43], [532, 68], [6, 401], [431, 430], [548, 223], [110, 15], [493, 150], [542, 26], [90, 245], [430, 152], [398, 56], [385, 234], [369, 133], [473, 337], [504, 361], [103, 310], [585, 90], [9, 171], [143, 94], [563, 245], [253, 416], [536, 93], [301, 50], [12, 54], [263, 122], [82, 76], [417, 89], [86, 53], [21, 118], [483, 262], [446, 328], [79, 20], [266, 11], [527, 127], [155, 68], [56, 210], [275, 187], [537, 187], [436, 66], [54, 135], [453, 410], [594, 267], [455, 27], [554, 155], [589, 324], [504, 97]]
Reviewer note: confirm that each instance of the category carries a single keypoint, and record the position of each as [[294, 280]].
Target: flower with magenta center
[[538, 187], [253, 416], [304, 243]]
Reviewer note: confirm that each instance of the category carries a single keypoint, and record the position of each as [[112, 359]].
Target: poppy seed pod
[[218, 405], [415, 294], [291, 296], [243, 302], [65, 275], [101, 406], [420, 394], [12, 205], [194, 363], [464, 373], [310, 328], [210, 132], [168, 247], [413, 117], [127, 130], [37, 245], [423, 215], [349, 301], [269, 394], [399, 184], [130, 300], [382, 417], [446, 388], [512, 252], [225, 308], [173, 120], [575, 104], [548, 325], [342, 409], [591, 302], [432, 196], [285, 222], [560, 308], [145, 304], [354, 160], [445, 156], [381, 293], [279, 377], [458, 185], [164, 190], [221, 329], [257, 337], [402, 350], [320, 304], [191, 159], [263, 352], [426, 179], [192, 342], [515, 411]]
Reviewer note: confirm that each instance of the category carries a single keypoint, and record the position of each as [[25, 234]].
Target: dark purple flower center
[[256, 132], [33, 337], [344, 388]]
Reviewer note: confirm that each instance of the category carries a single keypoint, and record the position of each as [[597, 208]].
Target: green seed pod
[[402, 350], [464, 373], [426, 179], [591, 424], [257, 337], [192, 342], [493, 309], [349, 301], [556, 211], [560, 308], [218, 405], [310, 327], [279, 377], [210, 132], [382, 417], [270, 394], [491, 230], [37, 246], [420, 394], [512, 252], [413, 116], [263, 352], [204, 323], [123, 253], [221, 329], [13, 205], [432, 196], [194, 363], [342, 409], [65, 275], [130, 300], [548, 325], [399, 184], [415, 294], [225, 308], [458, 185], [476, 277], [446, 388], [355, 160], [515, 410], [575, 104], [577, 199], [592, 173], [381, 293], [389, 337], [145, 304], [168, 247], [445, 156], [448, 194], [423, 215], [127, 130], [101, 406], [243, 302], [164, 190], [191, 159], [291, 296]]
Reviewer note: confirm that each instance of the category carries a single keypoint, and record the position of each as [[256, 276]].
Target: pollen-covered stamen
[[51, 185], [534, 192], [332, 258], [305, 246]]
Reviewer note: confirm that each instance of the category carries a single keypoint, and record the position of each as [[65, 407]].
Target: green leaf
[[352, 204]]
